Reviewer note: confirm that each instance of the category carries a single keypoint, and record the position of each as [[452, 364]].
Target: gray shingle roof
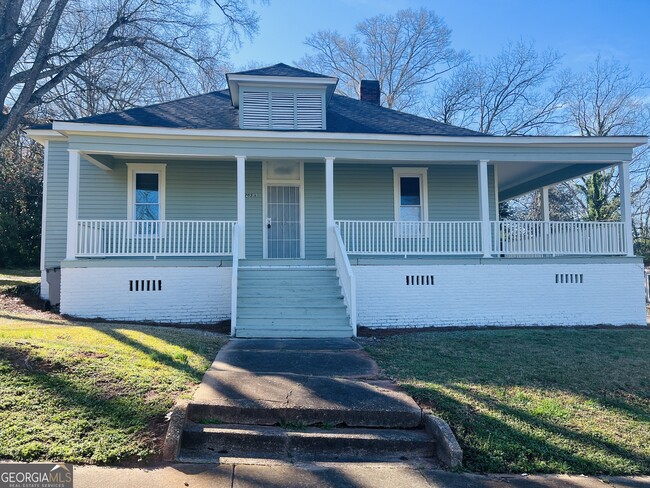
[[281, 69], [215, 111]]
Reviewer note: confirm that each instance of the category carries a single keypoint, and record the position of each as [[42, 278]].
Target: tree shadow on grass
[[490, 444], [95, 402], [162, 357]]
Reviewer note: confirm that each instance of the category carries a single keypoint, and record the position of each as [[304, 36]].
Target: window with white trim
[[410, 194], [146, 196]]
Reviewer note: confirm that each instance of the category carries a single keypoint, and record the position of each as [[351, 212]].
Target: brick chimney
[[370, 91]]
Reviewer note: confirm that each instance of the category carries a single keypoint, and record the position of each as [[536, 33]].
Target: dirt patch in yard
[[370, 332], [24, 299]]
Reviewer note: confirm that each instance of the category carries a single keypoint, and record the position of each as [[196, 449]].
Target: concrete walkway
[[325, 475], [324, 380]]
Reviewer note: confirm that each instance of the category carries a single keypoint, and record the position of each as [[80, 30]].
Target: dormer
[[281, 97]]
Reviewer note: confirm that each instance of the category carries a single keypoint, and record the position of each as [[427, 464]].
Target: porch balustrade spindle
[[103, 238], [509, 238]]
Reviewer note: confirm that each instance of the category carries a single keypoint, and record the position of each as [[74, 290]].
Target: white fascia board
[[43, 135], [261, 135], [235, 80]]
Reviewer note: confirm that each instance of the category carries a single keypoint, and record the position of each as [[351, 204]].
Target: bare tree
[[518, 92], [405, 52], [44, 43], [608, 100]]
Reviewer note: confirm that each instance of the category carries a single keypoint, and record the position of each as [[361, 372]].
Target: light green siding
[[195, 190], [201, 191], [206, 190], [56, 212], [254, 219], [102, 194], [365, 192], [315, 218]]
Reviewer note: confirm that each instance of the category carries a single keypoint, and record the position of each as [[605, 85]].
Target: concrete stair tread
[[268, 399], [296, 323], [292, 334], [252, 440]]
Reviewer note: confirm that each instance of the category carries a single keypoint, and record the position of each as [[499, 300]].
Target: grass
[[533, 400], [10, 278], [94, 392]]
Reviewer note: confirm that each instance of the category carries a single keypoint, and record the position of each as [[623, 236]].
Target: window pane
[[409, 190], [410, 214], [146, 212], [146, 188]]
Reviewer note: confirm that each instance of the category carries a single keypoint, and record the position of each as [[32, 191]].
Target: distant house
[[298, 212]]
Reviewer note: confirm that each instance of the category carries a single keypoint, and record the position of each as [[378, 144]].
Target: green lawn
[[536, 400], [95, 392], [16, 277]]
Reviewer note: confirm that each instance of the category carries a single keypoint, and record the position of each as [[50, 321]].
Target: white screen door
[[283, 221]]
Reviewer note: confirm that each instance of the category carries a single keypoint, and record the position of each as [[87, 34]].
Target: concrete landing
[[267, 382], [315, 357]]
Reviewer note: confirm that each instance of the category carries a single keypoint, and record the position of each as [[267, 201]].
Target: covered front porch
[[294, 209], [402, 235]]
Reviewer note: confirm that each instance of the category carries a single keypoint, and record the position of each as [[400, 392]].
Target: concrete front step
[[298, 325], [235, 397], [293, 333], [282, 272], [310, 443], [271, 291], [289, 301], [286, 262], [305, 281], [273, 312]]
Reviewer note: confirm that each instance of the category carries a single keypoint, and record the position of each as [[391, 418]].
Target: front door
[[283, 221]]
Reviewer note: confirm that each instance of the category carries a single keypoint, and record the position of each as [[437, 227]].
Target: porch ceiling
[[516, 179]]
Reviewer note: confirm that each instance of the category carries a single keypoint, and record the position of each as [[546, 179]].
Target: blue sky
[[579, 29]]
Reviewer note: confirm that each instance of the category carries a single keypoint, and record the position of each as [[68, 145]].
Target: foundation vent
[[419, 280], [568, 278], [145, 285]]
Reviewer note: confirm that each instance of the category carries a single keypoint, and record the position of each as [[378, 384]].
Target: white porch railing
[[411, 238], [346, 277], [509, 238], [103, 238], [534, 238]]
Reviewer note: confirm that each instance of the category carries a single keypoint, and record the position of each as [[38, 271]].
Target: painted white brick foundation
[[501, 294], [187, 294]]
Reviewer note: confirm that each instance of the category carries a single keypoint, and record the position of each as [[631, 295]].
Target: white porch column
[[626, 205], [546, 211], [241, 204], [484, 208], [329, 204], [73, 203]]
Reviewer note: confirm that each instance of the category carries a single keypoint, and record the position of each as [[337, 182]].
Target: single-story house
[[294, 211]]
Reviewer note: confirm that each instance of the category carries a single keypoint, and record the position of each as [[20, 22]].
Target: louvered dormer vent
[[282, 110]]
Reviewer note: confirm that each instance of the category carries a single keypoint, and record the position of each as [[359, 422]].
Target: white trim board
[[133, 169], [416, 172], [138, 131]]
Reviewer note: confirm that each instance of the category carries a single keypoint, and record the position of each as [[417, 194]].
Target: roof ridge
[[260, 71]]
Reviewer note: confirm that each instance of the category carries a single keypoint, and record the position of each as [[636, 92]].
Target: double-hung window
[[410, 195], [146, 199]]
